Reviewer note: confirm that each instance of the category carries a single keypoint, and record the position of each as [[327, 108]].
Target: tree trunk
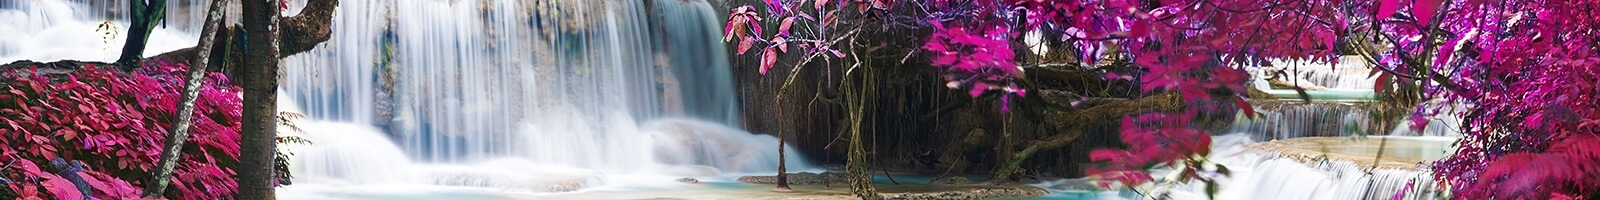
[[856, 163], [191, 89], [145, 17], [783, 171], [260, 73]]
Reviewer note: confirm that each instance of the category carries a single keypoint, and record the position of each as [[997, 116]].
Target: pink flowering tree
[[1523, 71], [808, 31]]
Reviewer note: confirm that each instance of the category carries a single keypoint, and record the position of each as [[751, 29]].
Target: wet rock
[[957, 181], [1075, 184], [802, 178], [971, 193], [688, 180]]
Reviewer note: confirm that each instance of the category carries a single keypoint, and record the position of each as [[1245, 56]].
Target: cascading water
[[1339, 111], [692, 30], [1335, 174], [1282, 120], [47, 30], [610, 87], [529, 96], [1281, 178], [1350, 73]]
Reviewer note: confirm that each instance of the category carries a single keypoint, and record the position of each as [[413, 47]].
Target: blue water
[[1063, 195]]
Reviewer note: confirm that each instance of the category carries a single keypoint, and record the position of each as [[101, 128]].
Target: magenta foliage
[[1525, 69], [1155, 139], [115, 124], [745, 28], [1530, 73], [980, 60]]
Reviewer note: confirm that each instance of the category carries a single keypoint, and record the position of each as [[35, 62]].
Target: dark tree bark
[[783, 169], [191, 89], [1011, 165], [260, 73], [145, 16], [312, 26], [300, 33]]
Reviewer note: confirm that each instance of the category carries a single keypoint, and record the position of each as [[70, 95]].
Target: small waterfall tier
[[1284, 119], [1344, 80], [1293, 119], [1349, 73], [1338, 168]]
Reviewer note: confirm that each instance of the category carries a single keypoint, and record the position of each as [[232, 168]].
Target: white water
[[1330, 119], [1350, 73], [1290, 179], [1265, 175], [525, 97], [1272, 176], [49, 30], [496, 95]]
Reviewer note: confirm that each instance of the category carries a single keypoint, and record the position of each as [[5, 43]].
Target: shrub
[[105, 129]]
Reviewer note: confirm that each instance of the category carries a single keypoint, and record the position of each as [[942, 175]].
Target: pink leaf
[[1418, 122], [755, 25], [63, 189], [827, 19], [783, 44], [783, 27], [1249, 111], [1103, 155], [1445, 51], [1387, 8], [1140, 29], [978, 88], [1424, 10], [744, 44], [1403, 190], [1382, 84], [768, 58]]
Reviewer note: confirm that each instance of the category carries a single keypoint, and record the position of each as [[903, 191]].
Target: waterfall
[[1279, 177], [48, 30], [1293, 119], [609, 86], [531, 96], [1283, 120], [692, 30], [1350, 73]]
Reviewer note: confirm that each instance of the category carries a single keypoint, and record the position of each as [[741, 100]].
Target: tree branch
[[1083, 118], [304, 31]]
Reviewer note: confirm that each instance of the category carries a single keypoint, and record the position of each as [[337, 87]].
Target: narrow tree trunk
[[145, 17], [856, 163], [783, 172], [191, 89], [260, 73]]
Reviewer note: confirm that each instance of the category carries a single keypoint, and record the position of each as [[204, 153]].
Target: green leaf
[[1211, 189]]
